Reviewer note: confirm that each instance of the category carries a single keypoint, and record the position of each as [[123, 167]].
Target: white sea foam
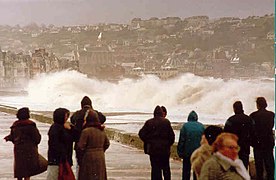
[[211, 98]]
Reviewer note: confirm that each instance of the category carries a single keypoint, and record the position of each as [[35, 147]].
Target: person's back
[[241, 125], [93, 143], [25, 136], [158, 136], [264, 122], [263, 140], [189, 140], [77, 119]]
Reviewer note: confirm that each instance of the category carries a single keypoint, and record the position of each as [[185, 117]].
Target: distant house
[[270, 35], [92, 59]]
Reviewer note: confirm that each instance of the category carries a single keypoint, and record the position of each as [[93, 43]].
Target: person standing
[[241, 125], [158, 137], [204, 152], [224, 164], [93, 143], [60, 143], [164, 109], [189, 140], [263, 140], [77, 119], [25, 136]]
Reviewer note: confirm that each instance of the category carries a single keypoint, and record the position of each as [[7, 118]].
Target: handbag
[[65, 172], [41, 166]]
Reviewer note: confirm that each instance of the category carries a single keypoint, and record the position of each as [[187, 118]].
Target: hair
[[219, 142], [158, 112], [92, 120], [23, 113], [261, 102], [59, 115], [164, 110], [238, 108], [86, 101], [92, 117], [211, 133]]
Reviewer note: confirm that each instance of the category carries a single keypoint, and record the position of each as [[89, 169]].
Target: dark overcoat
[[25, 137]]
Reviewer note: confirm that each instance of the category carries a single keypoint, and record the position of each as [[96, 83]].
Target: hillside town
[[226, 47]]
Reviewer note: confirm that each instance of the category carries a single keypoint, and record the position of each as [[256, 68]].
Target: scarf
[[237, 164]]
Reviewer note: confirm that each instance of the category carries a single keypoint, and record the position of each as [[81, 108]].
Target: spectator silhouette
[[263, 140], [93, 143], [158, 137], [241, 125], [189, 140], [60, 142], [25, 136], [77, 119]]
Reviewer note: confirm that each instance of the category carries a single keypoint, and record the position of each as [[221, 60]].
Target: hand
[[7, 138], [67, 125]]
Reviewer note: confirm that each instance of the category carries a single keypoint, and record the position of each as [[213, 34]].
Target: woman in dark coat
[[60, 142], [25, 137], [93, 142]]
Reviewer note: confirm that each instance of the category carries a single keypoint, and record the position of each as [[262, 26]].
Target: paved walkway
[[122, 162]]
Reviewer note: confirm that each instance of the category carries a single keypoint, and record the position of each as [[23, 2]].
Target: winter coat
[[217, 169], [25, 137], [157, 135], [241, 125], [93, 142], [263, 129], [190, 136], [77, 119], [60, 145], [199, 156]]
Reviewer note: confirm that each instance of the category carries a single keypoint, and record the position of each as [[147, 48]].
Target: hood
[[192, 116], [158, 112], [20, 123]]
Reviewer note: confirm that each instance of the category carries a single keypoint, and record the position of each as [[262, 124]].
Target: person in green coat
[[189, 140]]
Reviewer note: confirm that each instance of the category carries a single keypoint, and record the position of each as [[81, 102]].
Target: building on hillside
[[94, 59], [43, 62]]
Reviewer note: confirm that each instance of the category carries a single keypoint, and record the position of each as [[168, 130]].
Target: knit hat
[[211, 133]]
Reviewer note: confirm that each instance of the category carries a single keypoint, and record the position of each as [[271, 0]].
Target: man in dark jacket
[[241, 125], [78, 120], [158, 137], [263, 140]]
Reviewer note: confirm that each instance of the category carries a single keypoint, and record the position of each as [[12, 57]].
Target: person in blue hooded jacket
[[189, 140]]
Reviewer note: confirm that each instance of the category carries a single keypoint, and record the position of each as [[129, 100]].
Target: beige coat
[[93, 142], [217, 169], [199, 156]]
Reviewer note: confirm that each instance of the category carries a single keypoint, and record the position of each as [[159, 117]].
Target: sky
[[79, 12]]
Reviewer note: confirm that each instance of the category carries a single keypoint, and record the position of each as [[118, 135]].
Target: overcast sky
[[77, 12]]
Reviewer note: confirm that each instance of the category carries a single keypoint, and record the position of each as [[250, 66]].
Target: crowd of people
[[214, 153], [207, 153], [84, 133]]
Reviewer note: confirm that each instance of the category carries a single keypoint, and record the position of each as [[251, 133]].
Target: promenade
[[123, 162]]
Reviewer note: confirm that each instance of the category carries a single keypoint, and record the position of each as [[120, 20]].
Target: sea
[[128, 103], [212, 98]]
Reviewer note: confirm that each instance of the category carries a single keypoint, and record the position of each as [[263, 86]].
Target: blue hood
[[192, 116]]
